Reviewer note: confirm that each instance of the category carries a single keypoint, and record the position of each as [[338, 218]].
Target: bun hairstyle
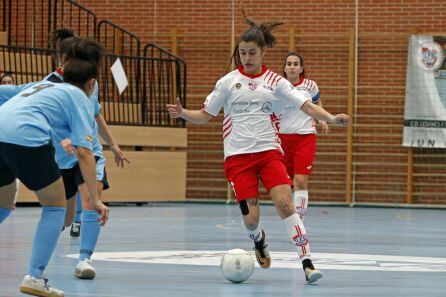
[[86, 48], [260, 34], [82, 62], [59, 35]]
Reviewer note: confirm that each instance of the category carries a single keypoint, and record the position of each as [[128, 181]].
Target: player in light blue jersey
[[71, 172], [27, 134]]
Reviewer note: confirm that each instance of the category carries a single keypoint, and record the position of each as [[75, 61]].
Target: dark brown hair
[[59, 35], [260, 34], [83, 60]]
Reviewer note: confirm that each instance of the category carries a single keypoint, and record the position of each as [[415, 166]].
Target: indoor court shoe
[[39, 287], [75, 230], [311, 273], [262, 253], [84, 270]]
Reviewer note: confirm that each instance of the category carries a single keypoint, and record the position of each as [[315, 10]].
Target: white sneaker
[[39, 287], [84, 270]]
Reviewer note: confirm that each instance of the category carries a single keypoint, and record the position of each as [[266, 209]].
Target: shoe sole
[[85, 274], [33, 292], [314, 277]]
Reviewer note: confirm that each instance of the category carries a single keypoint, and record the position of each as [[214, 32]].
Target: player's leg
[[300, 194], [37, 170], [71, 211], [7, 188], [277, 183], [7, 194], [89, 222], [303, 157], [241, 172], [76, 226], [70, 194]]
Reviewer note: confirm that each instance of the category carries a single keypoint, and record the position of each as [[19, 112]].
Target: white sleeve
[[216, 100], [293, 96]]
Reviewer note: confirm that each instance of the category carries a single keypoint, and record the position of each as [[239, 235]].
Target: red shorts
[[299, 152], [243, 173]]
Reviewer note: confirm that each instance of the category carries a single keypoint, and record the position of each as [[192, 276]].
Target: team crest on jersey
[[267, 107], [430, 56], [252, 86], [238, 86]]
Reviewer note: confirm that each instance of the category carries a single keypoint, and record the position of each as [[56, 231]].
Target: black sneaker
[[262, 253], [311, 273], [75, 230]]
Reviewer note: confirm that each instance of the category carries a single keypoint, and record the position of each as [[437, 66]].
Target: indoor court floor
[[175, 249]]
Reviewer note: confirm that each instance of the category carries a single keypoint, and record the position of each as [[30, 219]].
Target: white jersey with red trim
[[251, 104], [295, 121]]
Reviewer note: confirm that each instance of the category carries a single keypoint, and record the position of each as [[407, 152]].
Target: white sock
[[255, 234], [300, 199], [298, 235]]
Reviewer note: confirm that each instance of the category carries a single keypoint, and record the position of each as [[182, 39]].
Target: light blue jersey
[[47, 113], [67, 161], [9, 91]]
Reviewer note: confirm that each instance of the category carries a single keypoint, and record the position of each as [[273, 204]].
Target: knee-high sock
[[300, 199], [4, 213], [255, 234], [45, 239], [298, 235], [90, 229], [77, 218]]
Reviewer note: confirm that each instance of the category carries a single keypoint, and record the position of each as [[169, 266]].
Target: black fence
[[26, 64], [143, 102], [29, 22], [155, 79]]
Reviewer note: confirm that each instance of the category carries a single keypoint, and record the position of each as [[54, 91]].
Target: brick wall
[[380, 162]]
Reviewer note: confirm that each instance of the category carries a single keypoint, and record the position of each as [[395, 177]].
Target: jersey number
[[37, 89]]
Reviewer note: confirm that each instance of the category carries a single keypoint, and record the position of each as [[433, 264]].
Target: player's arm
[[321, 114], [81, 130], [193, 116], [324, 125], [105, 133]]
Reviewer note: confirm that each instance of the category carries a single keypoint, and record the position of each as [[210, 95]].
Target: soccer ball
[[237, 265]]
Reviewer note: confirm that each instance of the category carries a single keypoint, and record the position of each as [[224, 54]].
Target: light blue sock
[[45, 239], [77, 218], [90, 229], [4, 213]]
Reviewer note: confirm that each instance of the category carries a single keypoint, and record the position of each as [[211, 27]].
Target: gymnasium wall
[[380, 164]]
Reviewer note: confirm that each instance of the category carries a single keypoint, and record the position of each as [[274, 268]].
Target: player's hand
[[324, 126], [120, 157], [341, 119], [102, 210], [175, 110], [68, 146]]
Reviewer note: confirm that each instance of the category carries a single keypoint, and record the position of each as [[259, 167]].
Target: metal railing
[[26, 64], [29, 22], [69, 14], [117, 40], [155, 79], [164, 77]]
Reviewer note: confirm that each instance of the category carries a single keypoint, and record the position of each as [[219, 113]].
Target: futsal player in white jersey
[[252, 97], [298, 132], [43, 114]]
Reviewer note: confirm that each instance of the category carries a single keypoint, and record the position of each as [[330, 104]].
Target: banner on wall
[[425, 106]]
